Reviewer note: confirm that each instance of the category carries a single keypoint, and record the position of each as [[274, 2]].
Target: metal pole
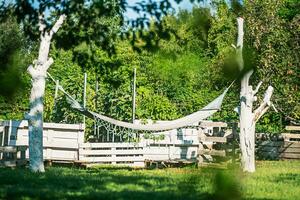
[[56, 89], [134, 95], [55, 96], [97, 89], [96, 106], [84, 94]]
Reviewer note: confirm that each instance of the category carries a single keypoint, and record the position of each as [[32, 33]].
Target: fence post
[[113, 154], [200, 147], [133, 95], [84, 95], [234, 133]]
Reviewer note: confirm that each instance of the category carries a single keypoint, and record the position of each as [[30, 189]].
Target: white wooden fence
[[129, 154], [177, 144], [65, 142], [61, 141]]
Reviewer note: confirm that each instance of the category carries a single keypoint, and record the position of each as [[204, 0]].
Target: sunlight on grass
[[273, 180]]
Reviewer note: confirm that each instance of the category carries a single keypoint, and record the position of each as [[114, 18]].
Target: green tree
[[273, 35]]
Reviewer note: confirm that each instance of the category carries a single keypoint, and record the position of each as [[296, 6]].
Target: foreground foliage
[[188, 67], [273, 180]]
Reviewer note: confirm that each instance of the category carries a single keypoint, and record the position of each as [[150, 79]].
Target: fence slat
[[8, 149], [289, 155], [292, 128], [213, 152], [110, 145], [116, 159], [215, 139], [110, 152]]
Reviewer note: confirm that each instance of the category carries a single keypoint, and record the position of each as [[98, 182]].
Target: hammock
[[186, 121]]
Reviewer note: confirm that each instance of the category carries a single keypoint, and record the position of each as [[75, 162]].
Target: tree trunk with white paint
[[38, 72], [248, 117]]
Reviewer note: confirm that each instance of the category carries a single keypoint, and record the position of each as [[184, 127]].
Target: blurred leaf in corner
[[227, 185], [12, 45]]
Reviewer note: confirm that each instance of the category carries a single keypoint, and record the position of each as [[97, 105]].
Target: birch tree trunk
[[38, 72], [248, 118]]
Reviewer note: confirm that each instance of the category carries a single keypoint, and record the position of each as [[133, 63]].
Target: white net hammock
[[114, 126], [186, 121]]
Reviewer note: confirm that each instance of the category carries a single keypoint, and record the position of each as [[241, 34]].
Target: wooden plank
[[60, 126], [24, 124], [157, 157], [110, 152], [110, 145], [294, 144], [290, 155], [290, 136], [289, 150], [213, 124], [215, 139], [111, 159], [177, 143], [292, 128], [66, 134], [134, 164], [8, 149], [61, 154], [212, 152], [65, 144]]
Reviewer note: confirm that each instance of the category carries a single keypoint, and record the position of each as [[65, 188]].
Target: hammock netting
[[117, 127]]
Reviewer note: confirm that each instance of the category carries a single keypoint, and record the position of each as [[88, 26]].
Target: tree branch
[[268, 94], [32, 71], [239, 45], [57, 25], [257, 88], [265, 105], [259, 115], [42, 24], [48, 64], [240, 32]]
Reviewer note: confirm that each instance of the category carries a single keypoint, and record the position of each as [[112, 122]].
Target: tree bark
[[38, 74], [248, 118]]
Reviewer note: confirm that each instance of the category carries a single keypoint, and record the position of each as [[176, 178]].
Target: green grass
[[273, 180]]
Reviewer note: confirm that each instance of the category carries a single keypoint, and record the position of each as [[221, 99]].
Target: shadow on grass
[[112, 183], [288, 178]]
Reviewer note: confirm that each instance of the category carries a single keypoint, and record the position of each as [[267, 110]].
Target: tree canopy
[[182, 59]]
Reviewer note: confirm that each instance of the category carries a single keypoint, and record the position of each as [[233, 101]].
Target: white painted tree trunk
[[38, 74], [248, 118]]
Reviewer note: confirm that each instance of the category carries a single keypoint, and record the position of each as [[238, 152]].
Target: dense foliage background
[[177, 75]]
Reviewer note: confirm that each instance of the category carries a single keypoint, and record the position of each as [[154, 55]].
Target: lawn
[[273, 180]]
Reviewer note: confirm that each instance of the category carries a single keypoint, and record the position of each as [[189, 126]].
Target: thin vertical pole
[[84, 94], [96, 92], [134, 95], [96, 106], [56, 89], [234, 134], [55, 96], [95, 128]]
